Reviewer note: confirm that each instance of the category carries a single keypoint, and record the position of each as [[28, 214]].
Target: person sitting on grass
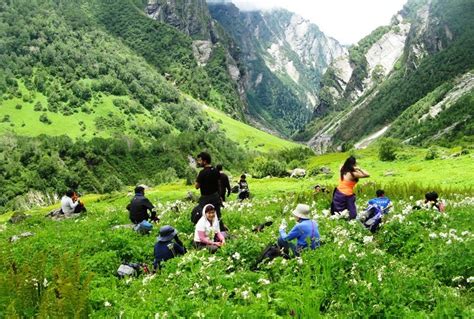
[[432, 202], [71, 203], [377, 207], [168, 246], [305, 231], [138, 209], [244, 191], [207, 233], [381, 201]]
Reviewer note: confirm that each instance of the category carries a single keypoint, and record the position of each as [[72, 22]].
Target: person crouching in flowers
[[305, 231], [167, 246], [207, 233]]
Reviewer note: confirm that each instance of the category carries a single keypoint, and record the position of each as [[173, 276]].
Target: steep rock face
[[212, 48], [284, 57], [427, 45], [191, 17]]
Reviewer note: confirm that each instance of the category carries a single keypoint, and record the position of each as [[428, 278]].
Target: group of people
[[211, 232]]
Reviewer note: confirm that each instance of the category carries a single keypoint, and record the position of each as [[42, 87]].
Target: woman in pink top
[[207, 233]]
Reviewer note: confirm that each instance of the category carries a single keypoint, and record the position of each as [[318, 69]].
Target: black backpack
[[196, 214]]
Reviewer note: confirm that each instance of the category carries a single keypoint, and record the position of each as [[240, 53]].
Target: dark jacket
[[163, 252], [224, 186], [138, 208]]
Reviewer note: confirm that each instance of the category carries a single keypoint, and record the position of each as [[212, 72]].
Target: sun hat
[[167, 233], [301, 211]]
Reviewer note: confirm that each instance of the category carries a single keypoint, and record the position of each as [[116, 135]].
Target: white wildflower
[[360, 255], [236, 255], [449, 242], [107, 304], [343, 257], [299, 260], [245, 294], [457, 279], [433, 236], [470, 279], [259, 295], [147, 279], [264, 281], [368, 239]]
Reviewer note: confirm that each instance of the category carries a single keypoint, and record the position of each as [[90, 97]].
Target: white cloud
[[348, 21]]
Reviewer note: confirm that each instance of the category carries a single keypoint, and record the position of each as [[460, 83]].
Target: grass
[[25, 121], [247, 136], [354, 274], [448, 172]]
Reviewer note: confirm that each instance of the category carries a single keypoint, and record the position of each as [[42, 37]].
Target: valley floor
[[419, 263]]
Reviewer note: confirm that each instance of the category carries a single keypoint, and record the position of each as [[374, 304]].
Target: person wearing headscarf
[[207, 233]]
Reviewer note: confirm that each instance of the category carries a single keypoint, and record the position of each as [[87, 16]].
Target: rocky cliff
[[365, 90]]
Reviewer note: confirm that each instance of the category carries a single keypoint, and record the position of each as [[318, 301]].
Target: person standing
[[208, 183], [224, 183], [344, 197]]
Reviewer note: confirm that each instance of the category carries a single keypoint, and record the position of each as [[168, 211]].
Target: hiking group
[[211, 233]]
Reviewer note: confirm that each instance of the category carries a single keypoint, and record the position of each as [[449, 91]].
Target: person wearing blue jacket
[[381, 201], [305, 232]]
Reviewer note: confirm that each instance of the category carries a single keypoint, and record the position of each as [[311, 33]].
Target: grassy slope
[[26, 121], [458, 171], [249, 137]]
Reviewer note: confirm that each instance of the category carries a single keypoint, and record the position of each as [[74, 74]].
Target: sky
[[347, 21]]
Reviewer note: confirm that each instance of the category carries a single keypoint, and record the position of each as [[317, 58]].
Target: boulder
[[190, 197], [298, 172], [325, 170], [18, 217], [15, 238]]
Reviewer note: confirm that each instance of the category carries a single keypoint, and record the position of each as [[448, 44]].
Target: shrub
[[387, 150], [44, 119], [38, 107], [18, 106], [431, 154], [264, 167]]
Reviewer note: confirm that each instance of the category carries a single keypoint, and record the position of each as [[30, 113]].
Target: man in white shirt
[[70, 203]]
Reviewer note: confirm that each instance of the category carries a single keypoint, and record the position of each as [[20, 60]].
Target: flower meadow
[[419, 264]]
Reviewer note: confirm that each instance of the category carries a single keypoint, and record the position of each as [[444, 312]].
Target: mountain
[[283, 57], [388, 83]]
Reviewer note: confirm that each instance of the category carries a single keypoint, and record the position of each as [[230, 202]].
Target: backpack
[[133, 269], [196, 214], [270, 252]]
